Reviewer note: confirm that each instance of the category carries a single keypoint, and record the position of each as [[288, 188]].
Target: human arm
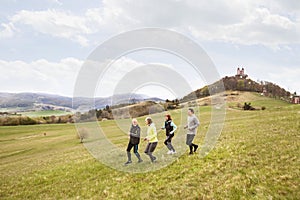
[[174, 127], [164, 126], [196, 124], [135, 132]]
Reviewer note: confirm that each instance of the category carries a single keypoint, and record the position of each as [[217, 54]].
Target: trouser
[[168, 142], [135, 150], [189, 141], [150, 149]]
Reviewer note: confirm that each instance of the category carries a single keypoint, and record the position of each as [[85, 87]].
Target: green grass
[[257, 157], [44, 113]]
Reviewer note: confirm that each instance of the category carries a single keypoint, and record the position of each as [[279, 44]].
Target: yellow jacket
[[151, 133]]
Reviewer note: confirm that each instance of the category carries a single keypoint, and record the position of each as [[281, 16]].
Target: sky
[[44, 43]]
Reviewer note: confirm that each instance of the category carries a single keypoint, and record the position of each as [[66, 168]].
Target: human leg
[[129, 147], [189, 140], [152, 147], [135, 150]]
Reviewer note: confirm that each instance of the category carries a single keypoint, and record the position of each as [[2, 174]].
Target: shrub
[[82, 134]]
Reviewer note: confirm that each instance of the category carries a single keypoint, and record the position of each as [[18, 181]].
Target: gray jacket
[[192, 125], [135, 132]]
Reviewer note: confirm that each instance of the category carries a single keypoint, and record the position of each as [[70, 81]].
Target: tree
[[82, 134], [247, 106], [240, 84], [133, 101], [98, 113], [107, 108]]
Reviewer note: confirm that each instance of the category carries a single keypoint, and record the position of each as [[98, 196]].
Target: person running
[[170, 129], [151, 138], [134, 140], [192, 124]]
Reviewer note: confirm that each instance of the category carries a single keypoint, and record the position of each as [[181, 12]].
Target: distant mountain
[[39, 101]]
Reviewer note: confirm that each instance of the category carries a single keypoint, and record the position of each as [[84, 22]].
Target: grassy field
[[44, 113], [257, 157]]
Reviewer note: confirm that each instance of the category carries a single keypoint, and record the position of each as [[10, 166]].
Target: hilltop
[[236, 83]]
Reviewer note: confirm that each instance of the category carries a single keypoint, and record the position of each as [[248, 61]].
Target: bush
[[82, 134], [9, 121], [263, 108], [247, 106], [27, 121]]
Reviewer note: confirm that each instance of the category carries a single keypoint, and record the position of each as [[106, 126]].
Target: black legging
[[169, 139], [135, 147], [168, 142]]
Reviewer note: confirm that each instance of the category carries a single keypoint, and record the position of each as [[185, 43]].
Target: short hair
[[149, 120], [192, 110], [134, 120]]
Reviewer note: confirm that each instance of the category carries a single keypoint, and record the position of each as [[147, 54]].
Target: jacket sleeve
[[197, 123], [135, 134], [152, 133], [139, 132], [174, 127]]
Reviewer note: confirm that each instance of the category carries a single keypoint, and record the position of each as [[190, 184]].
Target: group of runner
[[151, 138]]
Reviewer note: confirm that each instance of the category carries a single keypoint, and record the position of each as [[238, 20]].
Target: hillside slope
[[234, 83], [257, 157]]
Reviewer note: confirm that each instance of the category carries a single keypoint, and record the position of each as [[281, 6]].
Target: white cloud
[[260, 26], [60, 77], [55, 23], [113, 78], [274, 24], [114, 74], [286, 77], [7, 31], [40, 76], [242, 22], [239, 22], [56, 2]]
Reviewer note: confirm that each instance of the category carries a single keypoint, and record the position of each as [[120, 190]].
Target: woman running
[[151, 138], [170, 129]]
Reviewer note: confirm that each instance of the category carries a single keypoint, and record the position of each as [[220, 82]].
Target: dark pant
[[150, 147], [189, 139], [149, 150], [135, 150], [189, 142], [135, 147], [168, 142]]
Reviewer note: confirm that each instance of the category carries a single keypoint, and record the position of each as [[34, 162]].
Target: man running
[[134, 135], [192, 124]]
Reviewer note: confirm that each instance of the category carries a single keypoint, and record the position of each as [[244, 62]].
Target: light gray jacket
[[192, 125]]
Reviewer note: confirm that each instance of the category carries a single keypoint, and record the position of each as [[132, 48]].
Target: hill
[[257, 157], [16, 102], [236, 83]]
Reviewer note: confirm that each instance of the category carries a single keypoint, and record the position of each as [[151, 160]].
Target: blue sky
[[45, 42]]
